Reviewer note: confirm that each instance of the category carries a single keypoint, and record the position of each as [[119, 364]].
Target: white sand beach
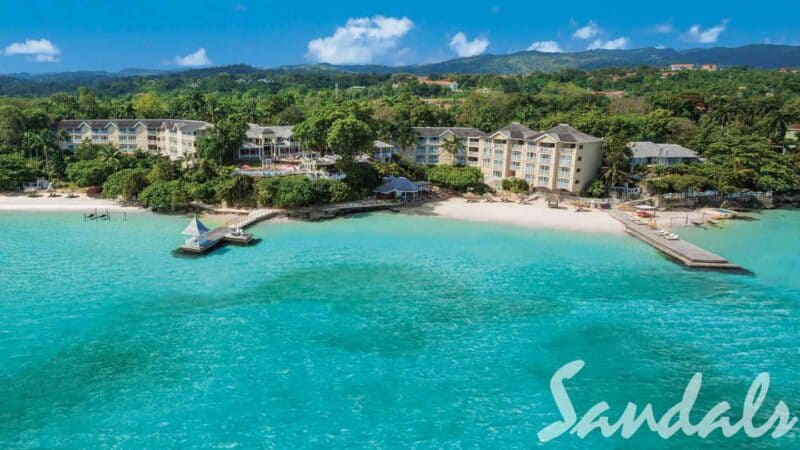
[[535, 215], [43, 203]]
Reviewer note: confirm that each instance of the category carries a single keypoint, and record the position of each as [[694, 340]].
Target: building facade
[[649, 153], [559, 158], [169, 137]]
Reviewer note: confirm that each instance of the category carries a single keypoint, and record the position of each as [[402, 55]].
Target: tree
[[126, 183], [450, 145], [89, 173], [515, 185], [349, 137], [12, 127], [166, 195], [221, 144], [15, 170], [460, 179], [148, 105], [616, 162]]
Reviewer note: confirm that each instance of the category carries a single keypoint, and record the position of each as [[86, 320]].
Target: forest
[[736, 119]]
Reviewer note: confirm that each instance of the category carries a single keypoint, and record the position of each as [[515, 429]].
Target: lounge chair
[[671, 237]]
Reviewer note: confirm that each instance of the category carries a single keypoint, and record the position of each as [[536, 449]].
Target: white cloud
[[707, 36], [588, 31], [41, 50], [660, 47], [464, 47], [665, 27], [360, 41], [196, 59], [546, 47], [614, 44]]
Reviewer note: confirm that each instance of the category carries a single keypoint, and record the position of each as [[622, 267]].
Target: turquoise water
[[380, 331]]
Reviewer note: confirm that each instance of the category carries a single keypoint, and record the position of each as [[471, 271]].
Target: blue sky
[[54, 36]]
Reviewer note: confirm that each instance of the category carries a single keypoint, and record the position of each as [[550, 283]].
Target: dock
[[688, 254], [227, 233]]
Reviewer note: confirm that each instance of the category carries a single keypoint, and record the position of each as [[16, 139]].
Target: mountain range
[[762, 56]]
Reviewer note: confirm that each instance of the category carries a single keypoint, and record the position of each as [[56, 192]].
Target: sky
[[39, 36]]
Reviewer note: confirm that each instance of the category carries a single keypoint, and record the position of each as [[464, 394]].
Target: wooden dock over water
[[686, 253], [225, 233]]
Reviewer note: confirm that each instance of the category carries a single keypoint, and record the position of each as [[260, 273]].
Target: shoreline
[[536, 215], [43, 203]]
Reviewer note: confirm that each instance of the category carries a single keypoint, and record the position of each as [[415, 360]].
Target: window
[[516, 155], [498, 173], [577, 181], [498, 153], [544, 169], [543, 180], [497, 164], [578, 170], [528, 167], [544, 157], [530, 155], [580, 158], [529, 177], [564, 171], [516, 165], [485, 163]]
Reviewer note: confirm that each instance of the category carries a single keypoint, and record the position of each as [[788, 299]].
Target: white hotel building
[[559, 158]]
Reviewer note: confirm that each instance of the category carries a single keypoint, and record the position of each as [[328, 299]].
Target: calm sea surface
[[381, 331]]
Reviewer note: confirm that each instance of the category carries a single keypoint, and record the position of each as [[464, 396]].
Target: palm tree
[[111, 155], [450, 145]]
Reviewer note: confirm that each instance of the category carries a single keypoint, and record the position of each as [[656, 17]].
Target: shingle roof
[[653, 150], [183, 125], [518, 131], [566, 133], [396, 184], [381, 144], [461, 132]]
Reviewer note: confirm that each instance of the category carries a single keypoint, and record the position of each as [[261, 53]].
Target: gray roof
[[653, 150], [518, 131], [396, 184], [255, 130], [566, 133], [195, 228], [461, 132], [381, 144], [183, 125]]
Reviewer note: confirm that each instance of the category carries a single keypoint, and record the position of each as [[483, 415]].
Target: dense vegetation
[[736, 119]]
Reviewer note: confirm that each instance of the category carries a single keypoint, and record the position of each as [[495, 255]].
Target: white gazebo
[[196, 234]]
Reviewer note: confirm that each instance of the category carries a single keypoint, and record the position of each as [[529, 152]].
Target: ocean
[[380, 331]]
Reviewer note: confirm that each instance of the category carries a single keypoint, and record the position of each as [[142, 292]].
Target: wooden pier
[[684, 252], [226, 233]]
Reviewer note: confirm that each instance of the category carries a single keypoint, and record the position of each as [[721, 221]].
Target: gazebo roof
[[195, 228], [396, 184]]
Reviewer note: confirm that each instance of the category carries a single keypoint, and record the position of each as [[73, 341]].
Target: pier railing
[[693, 194]]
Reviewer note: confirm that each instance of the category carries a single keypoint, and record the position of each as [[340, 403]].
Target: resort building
[[429, 145], [383, 152], [174, 138], [168, 137], [269, 142], [559, 158], [649, 153]]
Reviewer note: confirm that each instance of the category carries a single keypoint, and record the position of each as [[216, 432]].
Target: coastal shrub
[[515, 185], [236, 190], [93, 172], [458, 178], [126, 183], [203, 192], [678, 183], [163, 170], [166, 195], [361, 178], [15, 170], [285, 192], [596, 189], [330, 191]]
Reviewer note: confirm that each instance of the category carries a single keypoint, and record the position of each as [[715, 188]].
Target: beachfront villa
[[649, 153], [559, 158]]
